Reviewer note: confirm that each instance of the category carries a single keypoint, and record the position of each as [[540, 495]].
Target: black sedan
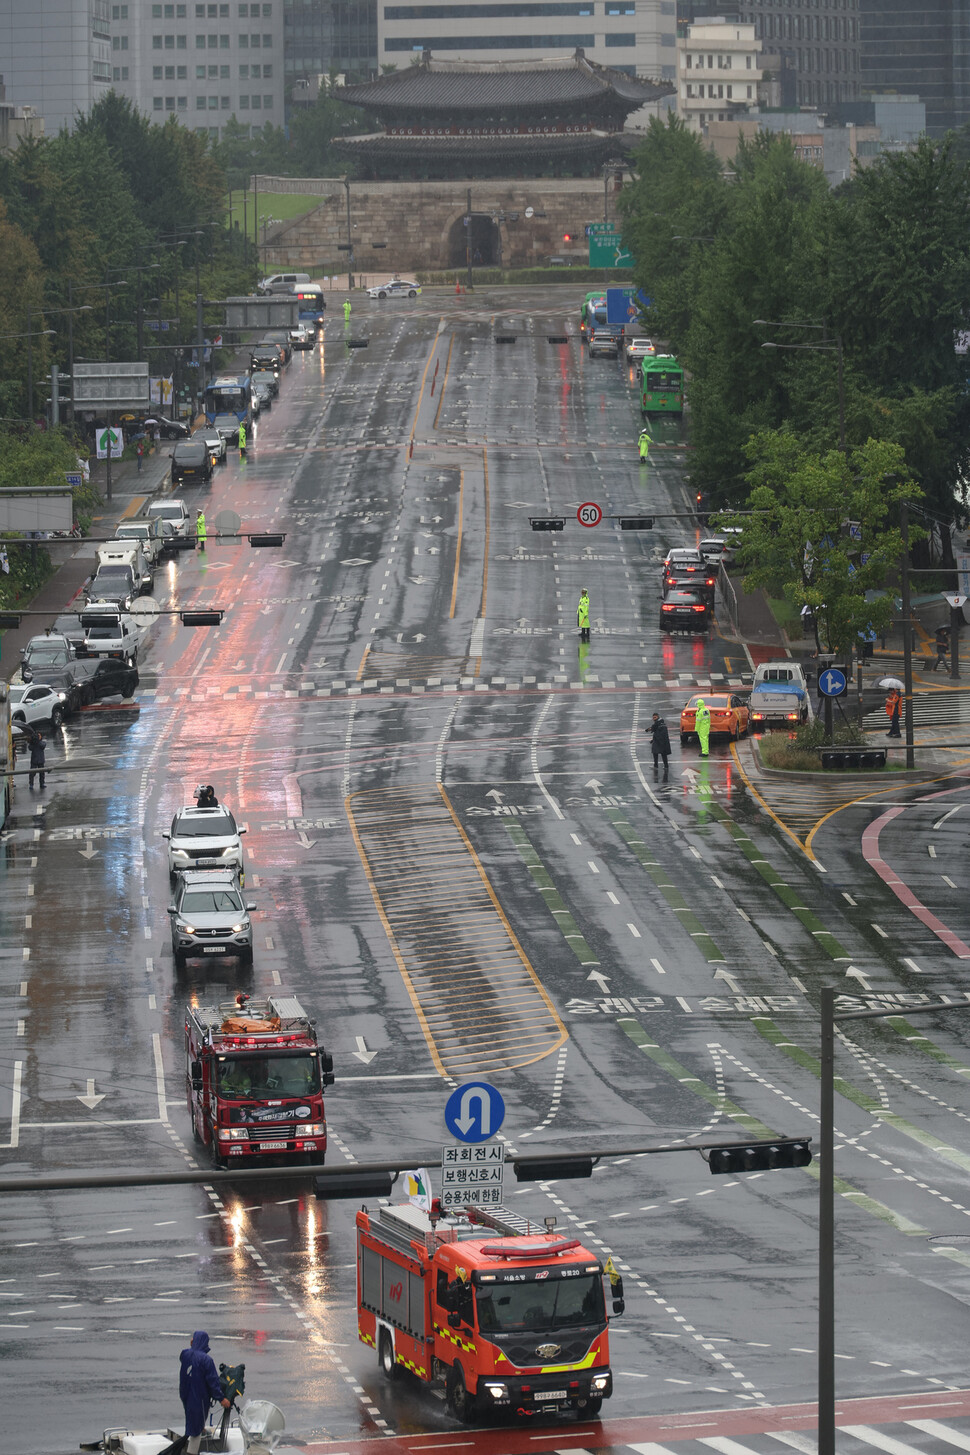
[[685, 611], [104, 677]]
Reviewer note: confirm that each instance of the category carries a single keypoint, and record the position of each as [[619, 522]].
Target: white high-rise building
[[718, 71], [55, 55], [635, 36], [200, 62]]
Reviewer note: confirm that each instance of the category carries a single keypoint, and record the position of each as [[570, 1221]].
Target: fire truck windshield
[[269, 1076], [553, 1303]]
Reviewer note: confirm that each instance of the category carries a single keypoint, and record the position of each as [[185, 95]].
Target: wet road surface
[[399, 697]]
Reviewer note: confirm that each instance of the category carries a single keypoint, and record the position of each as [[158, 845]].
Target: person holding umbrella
[[894, 702]]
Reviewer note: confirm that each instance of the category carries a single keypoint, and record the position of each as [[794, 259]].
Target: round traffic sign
[[474, 1112], [530, 212], [832, 682], [589, 513]]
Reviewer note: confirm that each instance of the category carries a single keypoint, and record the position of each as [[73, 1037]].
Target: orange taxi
[[729, 715]]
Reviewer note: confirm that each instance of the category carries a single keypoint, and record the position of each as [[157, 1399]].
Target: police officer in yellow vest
[[702, 725], [582, 615], [643, 445]]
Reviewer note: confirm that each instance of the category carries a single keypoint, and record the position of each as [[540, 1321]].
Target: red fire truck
[[508, 1315], [254, 1079]]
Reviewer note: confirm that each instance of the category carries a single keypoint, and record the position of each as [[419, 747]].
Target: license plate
[[548, 1394], [213, 949], [206, 861], [272, 1146]]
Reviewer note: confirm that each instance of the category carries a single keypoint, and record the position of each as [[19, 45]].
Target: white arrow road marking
[[91, 1098], [690, 775], [89, 852], [307, 843], [732, 984], [496, 794], [600, 979], [362, 1052], [595, 784], [859, 975]]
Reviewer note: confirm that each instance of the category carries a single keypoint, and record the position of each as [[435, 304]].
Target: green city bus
[[661, 385]]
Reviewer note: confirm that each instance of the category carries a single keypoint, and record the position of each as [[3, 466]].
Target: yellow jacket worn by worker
[[582, 615], [200, 530], [644, 444], [702, 724]]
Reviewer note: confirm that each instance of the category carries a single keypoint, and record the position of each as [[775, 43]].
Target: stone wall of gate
[[418, 223]]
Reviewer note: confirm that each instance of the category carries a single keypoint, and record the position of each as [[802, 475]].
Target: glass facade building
[[920, 49]]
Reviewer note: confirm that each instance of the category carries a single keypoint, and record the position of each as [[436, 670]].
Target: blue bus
[[312, 305], [228, 394]]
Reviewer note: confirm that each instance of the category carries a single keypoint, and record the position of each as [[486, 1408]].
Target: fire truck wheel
[[463, 1405], [591, 1409], [385, 1355]]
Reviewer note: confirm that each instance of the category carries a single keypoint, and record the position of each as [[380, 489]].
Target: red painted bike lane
[[902, 891], [643, 1429]]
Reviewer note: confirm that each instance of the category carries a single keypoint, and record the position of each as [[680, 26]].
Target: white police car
[[396, 288]]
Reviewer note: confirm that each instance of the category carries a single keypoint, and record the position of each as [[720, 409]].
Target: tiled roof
[[499, 86], [413, 147]]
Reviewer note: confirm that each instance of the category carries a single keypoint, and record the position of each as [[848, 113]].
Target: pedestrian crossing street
[[908, 1437]]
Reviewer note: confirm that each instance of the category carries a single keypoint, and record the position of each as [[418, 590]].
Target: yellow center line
[[767, 808], [363, 662], [424, 380], [441, 391], [461, 511]]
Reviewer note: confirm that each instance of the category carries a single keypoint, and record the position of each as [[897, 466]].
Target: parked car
[[37, 702], [396, 288], [209, 917], [282, 282]]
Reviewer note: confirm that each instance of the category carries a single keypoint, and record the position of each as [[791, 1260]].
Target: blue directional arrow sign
[[474, 1112], [831, 682]]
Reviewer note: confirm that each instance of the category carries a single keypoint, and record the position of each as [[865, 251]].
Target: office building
[[321, 37], [201, 62], [919, 49], [637, 37], [56, 56], [719, 66], [812, 47]]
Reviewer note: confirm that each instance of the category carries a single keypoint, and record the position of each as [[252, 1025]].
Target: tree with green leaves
[[796, 544]]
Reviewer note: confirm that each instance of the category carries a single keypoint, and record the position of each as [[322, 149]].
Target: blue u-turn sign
[[474, 1112]]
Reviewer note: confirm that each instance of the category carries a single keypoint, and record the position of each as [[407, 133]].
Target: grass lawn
[[786, 615], [279, 206]]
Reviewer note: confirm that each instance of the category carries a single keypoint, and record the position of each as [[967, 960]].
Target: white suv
[[204, 838]]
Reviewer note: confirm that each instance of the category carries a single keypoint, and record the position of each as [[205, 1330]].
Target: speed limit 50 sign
[[589, 513]]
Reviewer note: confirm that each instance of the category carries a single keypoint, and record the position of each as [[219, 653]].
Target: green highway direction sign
[[606, 248]]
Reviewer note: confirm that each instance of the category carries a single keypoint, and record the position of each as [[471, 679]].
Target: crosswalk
[[940, 709], [908, 1437]]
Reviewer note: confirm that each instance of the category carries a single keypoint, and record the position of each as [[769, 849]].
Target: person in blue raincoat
[[198, 1388]]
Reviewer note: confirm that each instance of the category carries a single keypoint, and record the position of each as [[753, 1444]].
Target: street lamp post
[[826, 1197], [835, 347], [350, 241]]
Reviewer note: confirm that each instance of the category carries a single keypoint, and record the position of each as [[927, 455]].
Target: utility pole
[[200, 347], [350, 241], [826, 1226], [907, 635], [107, 359]]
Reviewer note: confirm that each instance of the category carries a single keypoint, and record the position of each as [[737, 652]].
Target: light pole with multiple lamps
[[826, 1196], [824, 347]]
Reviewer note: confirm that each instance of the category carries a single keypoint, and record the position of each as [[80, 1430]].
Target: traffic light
[[547, 522], [760, 1156], [269, 538], [636, 522], [549, 1169], [568, 237], [201, 618], [353, 1184]]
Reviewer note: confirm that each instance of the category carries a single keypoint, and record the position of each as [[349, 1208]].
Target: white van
[[130, 554], [282, 282]]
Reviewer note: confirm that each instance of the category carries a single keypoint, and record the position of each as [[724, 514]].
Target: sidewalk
[[74, 560]]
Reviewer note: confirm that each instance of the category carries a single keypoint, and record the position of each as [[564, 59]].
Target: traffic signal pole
[[826, 1228]]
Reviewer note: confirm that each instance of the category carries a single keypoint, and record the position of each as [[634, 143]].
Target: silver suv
[[204, 838], [209, 917]]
